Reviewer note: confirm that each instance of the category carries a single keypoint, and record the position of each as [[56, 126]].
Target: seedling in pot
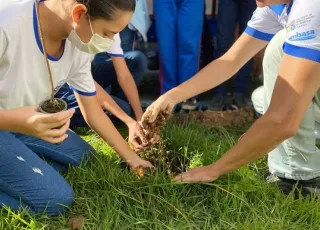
[[53, 105]]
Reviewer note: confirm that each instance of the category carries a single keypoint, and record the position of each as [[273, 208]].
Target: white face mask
[[97, 44]]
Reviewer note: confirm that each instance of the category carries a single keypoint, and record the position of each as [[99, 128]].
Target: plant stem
[[44, 49]]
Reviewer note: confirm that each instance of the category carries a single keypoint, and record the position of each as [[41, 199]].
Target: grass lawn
[[112, 198]]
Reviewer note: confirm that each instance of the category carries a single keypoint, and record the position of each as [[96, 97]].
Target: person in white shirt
[[286, 131], [139, 24], [116, 75], [73, 31]]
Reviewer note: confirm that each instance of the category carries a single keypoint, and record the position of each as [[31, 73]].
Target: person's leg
[[242, 81], [165, 12], [26, 181], [297, 159], [189, 31], [227, 19], [257, 98], [206, 42], [127, 39], [72, 151], [317, 117]]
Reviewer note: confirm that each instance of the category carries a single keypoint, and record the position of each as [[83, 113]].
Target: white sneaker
[[190, 104]]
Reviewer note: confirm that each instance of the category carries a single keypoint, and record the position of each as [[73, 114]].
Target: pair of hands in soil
[[154, 117], [30, 122]]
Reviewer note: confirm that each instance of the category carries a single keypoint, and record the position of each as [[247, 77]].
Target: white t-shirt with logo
[[24, 78], [301, 19]]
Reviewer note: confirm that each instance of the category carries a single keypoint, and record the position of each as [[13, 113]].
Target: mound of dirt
[[153, 130], [167, 161], [219, 119], [171, 162]]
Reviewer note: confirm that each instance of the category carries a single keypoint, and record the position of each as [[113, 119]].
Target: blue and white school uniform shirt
[[24, 80], [114, 51], [301, 18]]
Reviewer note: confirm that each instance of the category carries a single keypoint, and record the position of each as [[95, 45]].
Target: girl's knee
[[57, 201], [78, 150]]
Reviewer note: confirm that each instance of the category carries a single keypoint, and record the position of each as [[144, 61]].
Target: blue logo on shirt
[[307, 35]]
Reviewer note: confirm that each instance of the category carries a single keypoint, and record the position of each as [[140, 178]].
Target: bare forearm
[[110, 105], [219, 70], [261, 138], [6, 120], [209, 77], [130, 89], [102, 125], [10, 120]]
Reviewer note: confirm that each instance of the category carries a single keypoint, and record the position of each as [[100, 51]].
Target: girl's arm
[[107, 102], [136, 136], [101, 124], [128, 85]]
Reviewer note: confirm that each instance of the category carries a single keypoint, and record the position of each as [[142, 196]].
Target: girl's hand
[[44, 126], [139, 163], [137, 137]]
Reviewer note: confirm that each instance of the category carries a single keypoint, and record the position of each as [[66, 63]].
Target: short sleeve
[[303, 31], [81, 81], [264, 24], [3, 43], [115, 50]]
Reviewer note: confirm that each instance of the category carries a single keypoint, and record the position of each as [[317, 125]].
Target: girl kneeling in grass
[[72, 30]]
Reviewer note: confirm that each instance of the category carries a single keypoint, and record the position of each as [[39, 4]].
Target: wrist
[[8, 120], [215, 170], [139, 114], [133, 160], [172, 96], [129, 121]]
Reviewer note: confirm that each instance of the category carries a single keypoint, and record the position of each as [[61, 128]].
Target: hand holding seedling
[[44, 126]]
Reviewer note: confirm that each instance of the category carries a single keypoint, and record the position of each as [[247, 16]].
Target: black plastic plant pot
[[53, 106]]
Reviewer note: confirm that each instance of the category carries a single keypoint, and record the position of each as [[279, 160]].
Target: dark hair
[[106, 8]]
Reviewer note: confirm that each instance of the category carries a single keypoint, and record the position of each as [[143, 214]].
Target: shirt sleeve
[[303, 31], [115, 50], [82, 81], [264, 24]]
